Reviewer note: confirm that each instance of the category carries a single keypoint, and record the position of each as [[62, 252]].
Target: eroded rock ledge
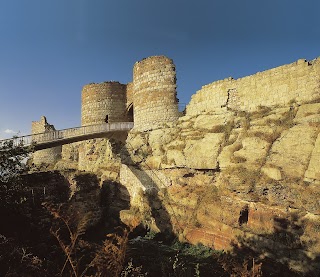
[[224, 179]]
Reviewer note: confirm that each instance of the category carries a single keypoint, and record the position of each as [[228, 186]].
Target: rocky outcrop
[[222, 179], [231, 178]]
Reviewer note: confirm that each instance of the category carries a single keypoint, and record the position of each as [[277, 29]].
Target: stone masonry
[[152, 94], [50, 155], [296, 82], [101, 100], [150, 99], [155, 100]]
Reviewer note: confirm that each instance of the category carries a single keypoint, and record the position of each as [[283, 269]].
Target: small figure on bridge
[[107, 119]]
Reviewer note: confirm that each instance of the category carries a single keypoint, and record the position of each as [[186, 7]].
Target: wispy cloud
[[9, 131]]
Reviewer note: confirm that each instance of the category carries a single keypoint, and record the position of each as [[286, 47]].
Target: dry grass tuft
[[108, 260], [76, 227], [268, 137]]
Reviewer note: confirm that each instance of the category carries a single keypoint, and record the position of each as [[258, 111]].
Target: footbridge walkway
[[65, 136]]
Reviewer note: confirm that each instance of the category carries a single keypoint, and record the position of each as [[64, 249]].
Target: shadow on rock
[[150, 188], [281, 253]]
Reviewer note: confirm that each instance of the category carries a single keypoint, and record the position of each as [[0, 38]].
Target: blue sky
[[49, 49]]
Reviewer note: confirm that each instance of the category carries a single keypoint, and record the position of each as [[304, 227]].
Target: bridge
[[59, 137]]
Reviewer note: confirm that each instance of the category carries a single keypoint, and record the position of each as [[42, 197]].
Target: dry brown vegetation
[[106, 260], [247, 268]]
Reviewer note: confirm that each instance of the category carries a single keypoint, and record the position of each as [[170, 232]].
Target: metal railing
[[69, 133]]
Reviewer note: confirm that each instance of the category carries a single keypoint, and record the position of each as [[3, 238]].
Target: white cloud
[[9, 131]]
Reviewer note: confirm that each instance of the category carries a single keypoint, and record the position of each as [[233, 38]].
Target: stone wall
[[100, 100], [47, 156], [297, 82], [129, 104], [130, 89], [155, 101]]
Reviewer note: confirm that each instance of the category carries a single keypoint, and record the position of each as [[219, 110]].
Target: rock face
[[312, 172], [252, 179], [203, 153]]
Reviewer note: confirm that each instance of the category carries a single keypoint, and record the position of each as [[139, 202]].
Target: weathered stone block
[[176, 158], [253, 151], [272, 172], [313, 171], [292, 151], [210, 122], [203, 153]]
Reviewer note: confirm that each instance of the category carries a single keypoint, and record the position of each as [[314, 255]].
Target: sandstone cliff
[[221, 178], [224, 178]]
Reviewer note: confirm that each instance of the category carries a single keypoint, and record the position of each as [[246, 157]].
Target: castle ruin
[[150, 100], [245, 155], [46, 156]]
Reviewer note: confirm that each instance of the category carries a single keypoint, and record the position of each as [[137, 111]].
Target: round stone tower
[[103, 102], [155, 98]]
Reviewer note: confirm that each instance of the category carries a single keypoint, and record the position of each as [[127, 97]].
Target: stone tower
[[46, 156], [103, 100], [154, 99]]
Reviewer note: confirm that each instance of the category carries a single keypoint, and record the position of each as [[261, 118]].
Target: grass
[[286, 122], [199, 250], [219, 128], [242, 176], [262, 111], [237, 160], [268, 137], [314, 124]]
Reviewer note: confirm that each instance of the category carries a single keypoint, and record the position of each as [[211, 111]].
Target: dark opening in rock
[[244, 215]]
